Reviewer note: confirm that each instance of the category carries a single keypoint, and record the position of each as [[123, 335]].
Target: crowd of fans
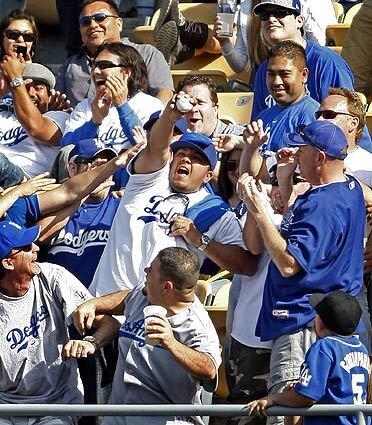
[[127, 191]]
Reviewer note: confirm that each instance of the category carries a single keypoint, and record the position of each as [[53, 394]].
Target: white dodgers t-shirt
[[141, 229], [33, 156]]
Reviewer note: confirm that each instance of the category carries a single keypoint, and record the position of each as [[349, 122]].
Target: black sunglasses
[[328, 114], [232, 165], [278, 14], [22, 248], [97, 17], [28, 37], [106, 65]]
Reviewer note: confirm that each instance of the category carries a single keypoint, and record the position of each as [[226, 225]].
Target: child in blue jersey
[[336, 367]]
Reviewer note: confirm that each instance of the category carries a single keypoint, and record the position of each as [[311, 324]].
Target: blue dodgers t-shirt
[[25, 211], [282, 120], [335, 371], [80, 244], [324, 231], [326, 69]]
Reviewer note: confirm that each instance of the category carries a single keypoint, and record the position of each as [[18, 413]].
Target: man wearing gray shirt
[[187, 355], [100, 22], [36, 304]]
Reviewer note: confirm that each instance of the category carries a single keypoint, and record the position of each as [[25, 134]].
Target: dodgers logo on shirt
[[13, 136], [305, 376], [20, 338], [287, 221], [162, 209], [134, 330]]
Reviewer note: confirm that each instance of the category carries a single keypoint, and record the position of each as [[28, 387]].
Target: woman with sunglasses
[[19, 36]]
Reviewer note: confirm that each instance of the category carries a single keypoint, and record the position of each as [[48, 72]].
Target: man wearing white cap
[[31, 135]]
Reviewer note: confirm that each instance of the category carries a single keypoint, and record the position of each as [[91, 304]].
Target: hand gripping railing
[[360, 411]]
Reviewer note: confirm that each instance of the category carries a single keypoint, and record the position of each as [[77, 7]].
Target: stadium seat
[[369, 121], [235, 107], [336, 34], [339, 11], [219, 77], [45, 11], [202, 290], [349, 15]]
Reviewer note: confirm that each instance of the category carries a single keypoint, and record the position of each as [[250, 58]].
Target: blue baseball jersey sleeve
[[25, 211], [335, 371]]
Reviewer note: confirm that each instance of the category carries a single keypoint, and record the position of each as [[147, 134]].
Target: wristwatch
[[205, 241], [92, 340], [18, 81]]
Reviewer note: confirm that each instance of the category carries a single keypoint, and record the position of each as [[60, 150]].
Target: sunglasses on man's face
[[97, 17], [232, 166], [106, 65], [277, 14], [28, 37], [328, 114]]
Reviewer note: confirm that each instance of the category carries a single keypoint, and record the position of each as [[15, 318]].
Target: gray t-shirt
[[34, 329], [148, 374], [74, 79]]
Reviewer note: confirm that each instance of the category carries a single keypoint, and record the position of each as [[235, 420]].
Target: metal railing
[[360, 411]]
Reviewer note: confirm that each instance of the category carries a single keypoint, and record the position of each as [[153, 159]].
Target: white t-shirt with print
[[33, 156], [141, 229], [110, 131]]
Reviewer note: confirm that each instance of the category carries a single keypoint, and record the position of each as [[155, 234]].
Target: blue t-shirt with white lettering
[[335, 371], [324, 231], [282, 120], [80, 244]]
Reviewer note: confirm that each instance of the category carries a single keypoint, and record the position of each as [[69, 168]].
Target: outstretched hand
[[84, 316]]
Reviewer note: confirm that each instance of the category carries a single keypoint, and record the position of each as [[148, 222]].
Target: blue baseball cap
[[12, 235], [89, 148], [200, 143], [322, 135], [294, 5]]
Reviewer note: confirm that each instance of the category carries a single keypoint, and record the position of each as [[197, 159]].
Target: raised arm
[[81, 185], [157, 152], [41, 128]]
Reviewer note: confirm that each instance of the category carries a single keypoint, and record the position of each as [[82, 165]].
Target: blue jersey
[[79, 245], [324, 231], [25, 211], [282, 120], [326, 69], [335, 371]]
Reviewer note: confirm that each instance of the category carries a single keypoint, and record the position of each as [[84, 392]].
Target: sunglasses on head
[[97, 17], [28, 37], [106, 65], [232, 165], [277, 13], [328, 114]]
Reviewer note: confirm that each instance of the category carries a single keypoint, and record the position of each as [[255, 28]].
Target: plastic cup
[[227, 20], [149, 313]]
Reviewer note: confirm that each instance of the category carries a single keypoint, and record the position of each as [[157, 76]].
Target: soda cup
[[149, 313], [226, 13]]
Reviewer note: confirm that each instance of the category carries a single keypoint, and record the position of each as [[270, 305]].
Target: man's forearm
[[291, 398], [112, 304], [276, 246], [106, 329], [232, 258], [195, 362], [251, 161], [31, 119]]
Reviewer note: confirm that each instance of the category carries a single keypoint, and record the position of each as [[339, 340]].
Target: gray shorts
[[287, 355]]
